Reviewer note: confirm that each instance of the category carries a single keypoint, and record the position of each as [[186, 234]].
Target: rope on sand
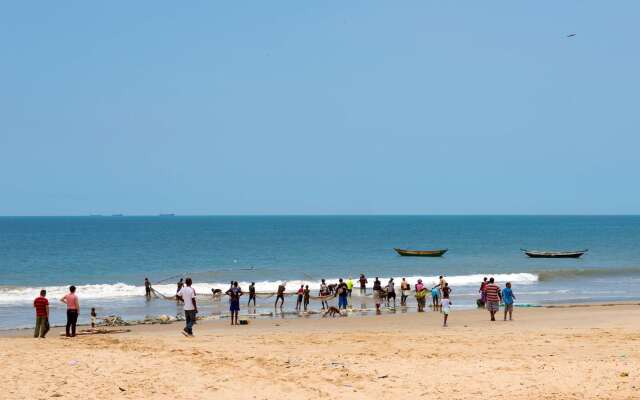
[[95, 331]]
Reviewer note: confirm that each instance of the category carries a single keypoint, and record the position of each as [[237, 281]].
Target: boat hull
[[563, 254], [420, 253]]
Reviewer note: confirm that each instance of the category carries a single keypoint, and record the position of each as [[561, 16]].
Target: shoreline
[[314, 315]]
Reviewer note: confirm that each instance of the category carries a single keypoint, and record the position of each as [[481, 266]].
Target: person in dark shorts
[[252, 294], [300, 297], [147, 287], [234, 302], [280, 295], [446, 290], [73, 310], [307, 297], [188, 296], [391, 293], [363, 284], [41, 304]]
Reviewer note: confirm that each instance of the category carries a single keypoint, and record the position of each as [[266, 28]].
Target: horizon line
[[172, 215]]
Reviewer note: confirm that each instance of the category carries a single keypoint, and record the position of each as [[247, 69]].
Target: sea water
[[107, 258]]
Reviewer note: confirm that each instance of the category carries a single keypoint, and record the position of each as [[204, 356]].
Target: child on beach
[[94, 317], [307, 296], [507, 299], [446, 308]]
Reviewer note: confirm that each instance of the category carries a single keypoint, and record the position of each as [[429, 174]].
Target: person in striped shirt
[[493, 298]]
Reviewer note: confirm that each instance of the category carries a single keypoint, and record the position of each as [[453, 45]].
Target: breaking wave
[[17, 294]]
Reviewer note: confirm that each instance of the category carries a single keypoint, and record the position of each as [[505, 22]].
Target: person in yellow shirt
[[349, 289]]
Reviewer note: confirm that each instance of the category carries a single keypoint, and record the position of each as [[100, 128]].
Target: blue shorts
[[234, 305], [342, 302]]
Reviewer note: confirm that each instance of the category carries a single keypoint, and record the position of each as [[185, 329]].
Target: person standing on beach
[[234, 302], [147, 287], [446, 308], [307, 296], [300, 297], [405, 289], [188, 296], [73, 309], [493, 298], [391, 293], [421, 295], [341, 290], [324, 291], [280, 295], [483, 292], [349, 288], [363, 284], [41, 304], [507, 299], [446, 290], [377, 294], [252, 294]]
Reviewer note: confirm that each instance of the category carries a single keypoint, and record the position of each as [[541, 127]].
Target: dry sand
[[559, 353]]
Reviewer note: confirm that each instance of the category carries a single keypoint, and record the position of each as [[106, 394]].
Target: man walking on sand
[[188, 296], [41, 304], [493, 298]]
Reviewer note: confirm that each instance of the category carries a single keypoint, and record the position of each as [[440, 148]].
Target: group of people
[[491, 296], [41, 305]]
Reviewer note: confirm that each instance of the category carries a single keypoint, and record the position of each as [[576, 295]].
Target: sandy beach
[[545, 353]]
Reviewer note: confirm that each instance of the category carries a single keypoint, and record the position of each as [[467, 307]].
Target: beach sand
[[546, 353]]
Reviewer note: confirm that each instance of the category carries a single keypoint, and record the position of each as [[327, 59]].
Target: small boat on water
[[420, 253], [554, 254]]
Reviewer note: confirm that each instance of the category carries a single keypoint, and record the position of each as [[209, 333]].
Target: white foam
[[21, 295]]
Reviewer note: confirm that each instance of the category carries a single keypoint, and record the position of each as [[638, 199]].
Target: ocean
[[107, 258]]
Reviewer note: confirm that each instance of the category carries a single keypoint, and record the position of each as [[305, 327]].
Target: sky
[[338, 107]]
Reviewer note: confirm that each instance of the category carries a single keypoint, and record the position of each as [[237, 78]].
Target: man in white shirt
[[188, 295]]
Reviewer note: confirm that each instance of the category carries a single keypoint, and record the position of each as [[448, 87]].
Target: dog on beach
[[332, 312]]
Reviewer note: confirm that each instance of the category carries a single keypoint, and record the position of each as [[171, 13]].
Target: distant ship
[[166, 215], [117, 215]]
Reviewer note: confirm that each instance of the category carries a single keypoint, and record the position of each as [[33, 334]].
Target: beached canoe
[[420, 253], [554, 254]]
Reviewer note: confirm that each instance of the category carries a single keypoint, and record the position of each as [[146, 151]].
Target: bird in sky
[[571, 35]]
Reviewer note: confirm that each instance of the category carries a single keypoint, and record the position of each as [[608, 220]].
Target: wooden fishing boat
[[554, 254], [420, 253]]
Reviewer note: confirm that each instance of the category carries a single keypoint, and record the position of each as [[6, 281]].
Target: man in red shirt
[[493, 298], [41, 304]]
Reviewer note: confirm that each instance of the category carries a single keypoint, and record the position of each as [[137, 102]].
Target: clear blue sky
[[300, 107]]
